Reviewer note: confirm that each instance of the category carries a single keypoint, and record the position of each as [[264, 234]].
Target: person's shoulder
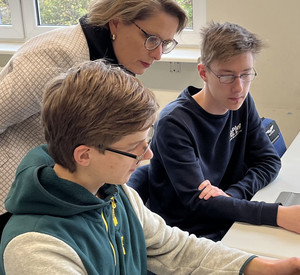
[[36, 157], [41, 150], [60, 38], [177, 105], [59, 32]]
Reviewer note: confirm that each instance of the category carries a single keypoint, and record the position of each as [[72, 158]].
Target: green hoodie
[[106, 234], [59, 227]]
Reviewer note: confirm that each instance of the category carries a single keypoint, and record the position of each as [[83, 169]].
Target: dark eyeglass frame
[[229, 79], [163, 42], [138, 158]]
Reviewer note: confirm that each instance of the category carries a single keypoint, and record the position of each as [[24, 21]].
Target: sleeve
[[261, 158], [176, 153], [172, 251], [23, 79], [48, 255], [173, 148]]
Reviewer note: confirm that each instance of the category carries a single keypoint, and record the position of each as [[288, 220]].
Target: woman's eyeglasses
[[153, 41]]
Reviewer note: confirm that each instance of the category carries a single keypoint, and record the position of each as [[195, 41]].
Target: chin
[[235, 107], [139, 72], [139, 69], [119, 183], [123, 181]]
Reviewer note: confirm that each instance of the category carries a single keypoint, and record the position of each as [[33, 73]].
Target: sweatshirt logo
[[270, 131], [235, 131]]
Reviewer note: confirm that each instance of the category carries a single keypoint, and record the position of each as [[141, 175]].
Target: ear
[[82, 155], [113, 25], [202, 71]]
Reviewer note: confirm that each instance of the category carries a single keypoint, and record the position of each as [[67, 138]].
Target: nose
[[156, 53], [148, 155], [238, 85]]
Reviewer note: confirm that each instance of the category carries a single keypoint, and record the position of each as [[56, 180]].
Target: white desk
[[266, 240]]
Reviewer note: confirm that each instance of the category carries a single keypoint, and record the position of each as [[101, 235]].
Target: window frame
[[191, 37], [15, 31], [24, 23]]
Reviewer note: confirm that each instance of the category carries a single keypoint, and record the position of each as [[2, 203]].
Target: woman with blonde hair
[[130, 33]]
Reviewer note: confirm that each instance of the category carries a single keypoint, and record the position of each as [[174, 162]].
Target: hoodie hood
[[38, 190]]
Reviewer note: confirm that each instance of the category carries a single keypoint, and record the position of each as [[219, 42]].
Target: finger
[[212, 192], [205, 191], [204, 184]]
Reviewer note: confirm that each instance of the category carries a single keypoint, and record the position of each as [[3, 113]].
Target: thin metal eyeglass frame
[[234, 77], [138, 158], [164, 42]]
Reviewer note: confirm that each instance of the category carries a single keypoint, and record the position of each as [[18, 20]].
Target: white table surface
[[270, 241]]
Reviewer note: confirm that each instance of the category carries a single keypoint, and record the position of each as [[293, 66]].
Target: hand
[[208, 190], [288, 218], [261, 266]]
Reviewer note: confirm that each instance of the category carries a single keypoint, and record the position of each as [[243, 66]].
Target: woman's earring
[[113, 37]]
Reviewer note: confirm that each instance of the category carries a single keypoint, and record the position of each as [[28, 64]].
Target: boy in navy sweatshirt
[[211, 153]]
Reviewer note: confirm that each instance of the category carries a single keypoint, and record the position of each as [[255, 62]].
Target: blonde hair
[[223, 41], [102, 11], [94, 104]]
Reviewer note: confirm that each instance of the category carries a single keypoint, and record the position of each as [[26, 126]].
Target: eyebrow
[[232, 72], [137, 142], [152, 34], [134, 144], [158, 37], [146, 32]]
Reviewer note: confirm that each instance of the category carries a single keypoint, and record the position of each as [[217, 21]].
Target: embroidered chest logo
[[270, 131], [235, 131]]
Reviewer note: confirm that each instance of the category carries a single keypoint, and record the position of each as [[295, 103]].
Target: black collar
[[99, 41]]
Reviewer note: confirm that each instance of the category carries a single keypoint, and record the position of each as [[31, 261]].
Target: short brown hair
[[102, 11], [94, 104], [223, 41]]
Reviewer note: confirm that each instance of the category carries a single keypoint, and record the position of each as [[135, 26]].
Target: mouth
[[145, 64], [131, 170], [236, 99]]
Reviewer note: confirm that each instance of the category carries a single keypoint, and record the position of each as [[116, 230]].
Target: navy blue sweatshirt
[[232, 151]]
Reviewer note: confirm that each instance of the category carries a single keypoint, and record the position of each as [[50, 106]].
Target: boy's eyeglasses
[[228, 79], [138, 158], [153, 41]]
